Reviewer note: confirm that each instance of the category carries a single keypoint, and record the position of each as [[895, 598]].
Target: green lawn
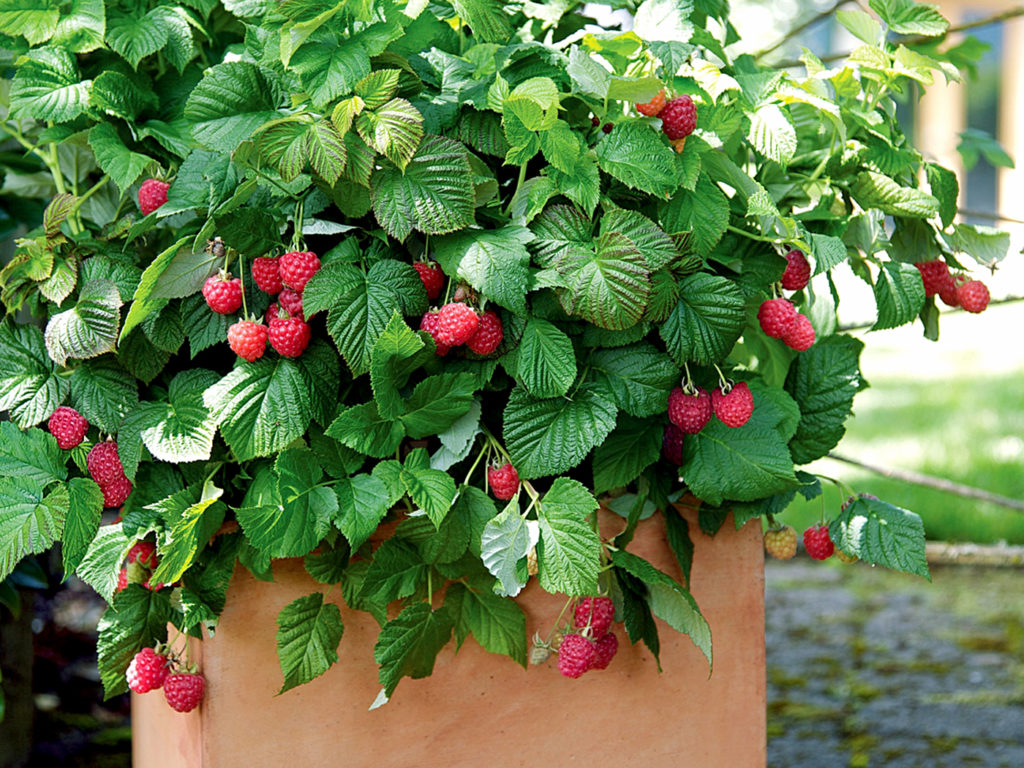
[[954, 410]]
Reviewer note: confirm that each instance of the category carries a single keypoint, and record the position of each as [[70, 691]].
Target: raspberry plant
[[331, 150]]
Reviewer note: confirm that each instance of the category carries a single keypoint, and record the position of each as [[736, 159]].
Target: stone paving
[[871, 668]]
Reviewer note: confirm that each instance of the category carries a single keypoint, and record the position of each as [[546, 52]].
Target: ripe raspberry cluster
[[457, 323], [593, 645], [68, 426], [104, 465], [503, 480], [780, 543], [153, 668], [691, 411], [954, 290], [780, 320]]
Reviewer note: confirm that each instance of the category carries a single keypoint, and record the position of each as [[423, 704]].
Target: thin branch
[[989, 216], [997, 18], [938, 483], [801, 27]]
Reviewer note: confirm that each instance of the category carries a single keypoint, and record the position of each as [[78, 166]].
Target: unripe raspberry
[[223, 295], [818, 543], [432, 277], [679, 117], [147, 671], [780, 543], [68, 426], [973, 296], [289, 337], [247, 339], [596, 613], [116, 492], [845, 558], [152, 194], [689, 412], [576, 655], [800, 335], [456, 324], [672, 444], [489, 333], [267, 275], [504, 481], [428, 323], [798, 271], [735, 408], [103, 463], [654, 106], [776, 316], [604, 651], [296, 268], [184, 690]]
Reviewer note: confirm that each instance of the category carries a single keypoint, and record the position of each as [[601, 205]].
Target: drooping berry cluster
[[104, 465], [457, 323], [68, 426], [953, 290], [154, 668], [503, 480], [780, 320], [593, 645], [690, 411]]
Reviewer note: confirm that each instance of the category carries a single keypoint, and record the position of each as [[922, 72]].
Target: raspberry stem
[[724, 384]]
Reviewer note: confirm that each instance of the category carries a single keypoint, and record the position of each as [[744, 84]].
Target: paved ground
[[871, 668]]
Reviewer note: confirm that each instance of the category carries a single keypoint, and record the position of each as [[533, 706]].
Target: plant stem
[[89, 193], [752, 236], [825, 14]]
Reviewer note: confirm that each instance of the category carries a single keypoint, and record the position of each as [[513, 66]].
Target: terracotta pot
[[477, 708]]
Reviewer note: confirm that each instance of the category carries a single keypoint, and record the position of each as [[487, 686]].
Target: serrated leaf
[[395, 572], [607, 287], [231, 101], [636, 156], [497, 624], [632, 446], [47, 86], [326, 151], [30, 388], [495, 262], [828, 252], [362, 504], [433, 194], [878, 532], [377, 87], [137, 619], [873, 190], [504, 542], [703, 214], [308, 633], [103, 392], [29, 521], [329, 69], [945, 188], [437, 402], [906, 17], [707, 321], [654, 245], [899, 295], [431, 490], [569, 553], [772, 134], [408, 644], [31, 455], [359, 318], [82, 522], [102, 562], [823, 381], [395, 129], [363, 429], [136, 37], [35, 19], [551, 436], [190, 523], [544, 362], [639, 376], [89, 328], [182, 430], [395, 355]]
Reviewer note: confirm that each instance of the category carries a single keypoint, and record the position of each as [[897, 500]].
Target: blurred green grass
[[955, 413]]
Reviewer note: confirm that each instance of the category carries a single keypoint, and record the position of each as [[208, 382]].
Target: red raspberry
[[689, 412], [800, 335], [596, 613], [432, 277], [296, 269], [103, 463], [504, 481], [607, 127], [184, 691], [672, 444], [595, 120], [776, 316], [116, 492], [798, 271], [292, 302], [152, 587], [68, 426], [576, 655], [456, 324], [935, 276], [144, 553], [248, 339], [147, 671], [973, 296], [489, 333], [654, 106], [604, 651], [948, 293], [152, 194], [289, 336], [122, 580], [818, 543], [267, 275], [734, 408], [780, 543], [679, 117], [428, 323], [223, 295]]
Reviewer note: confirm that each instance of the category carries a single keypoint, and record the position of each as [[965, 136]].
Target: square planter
[[478, 708]]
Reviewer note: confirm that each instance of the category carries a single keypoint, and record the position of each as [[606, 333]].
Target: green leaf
[[664, 20], [30, 388], [29, 521], [47, 86], [668, 599], [103, 392], [495, 262], [569, 554], [945, 188], [409, 644], [828, 252], [31, 455], [329, 70], [899, 295], [562, 146], [137, 619], [396, 354], [394, 129], [639, 376], [89, 328], [114, 158], [544, 362], [136, 37], [873, 190], [430, 489], [975, 143], [362, 504], [308, 633], [35, 19], [636, 156], [504, 542], [190, 519], [487, 18], [907, 17], [331, 281], [702, 214], [396, 571], [263, 406], [823, 381], [326, 151], [433, 194], [608, 287], [879, 533], [363, 429], [551, 436], [652, 242], [772, 134], [497, 624], [985, 245], [437, 403], [633, 446], [102, 562], [85, 505], [231, 101], [707, 321], [861, 25]]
